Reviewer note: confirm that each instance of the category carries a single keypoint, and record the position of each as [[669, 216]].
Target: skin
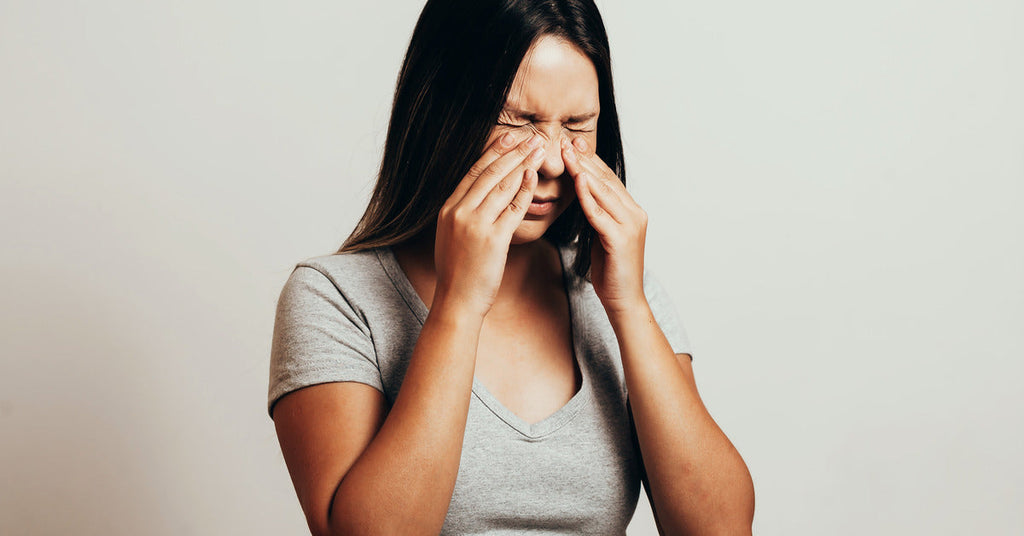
[[490, 281], [554, 98]]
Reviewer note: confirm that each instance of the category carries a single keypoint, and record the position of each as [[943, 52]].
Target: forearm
[[403, 481], [699, 482]]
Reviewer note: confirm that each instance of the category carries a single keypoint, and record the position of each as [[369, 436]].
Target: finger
[[571, 159], [583, 148], [604, 191], [596, 215], [605, 195], [515, 211], [599, 170], [509, 186], [501, 168], [577, 160], [499, 147]]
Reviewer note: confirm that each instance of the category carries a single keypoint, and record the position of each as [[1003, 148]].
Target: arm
[[698, 483], [356, 472]]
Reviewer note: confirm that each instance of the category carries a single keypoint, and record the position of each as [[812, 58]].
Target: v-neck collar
[[562, 415]]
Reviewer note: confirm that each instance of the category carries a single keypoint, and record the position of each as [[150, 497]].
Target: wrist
[[631, 303], [625, 310], [456, 310]]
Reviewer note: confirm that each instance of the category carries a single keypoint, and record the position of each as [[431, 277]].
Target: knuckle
[[487, 173], [477, 168], [523, 149], [449, 211], [505, 185], [461, 215], [497, 149]]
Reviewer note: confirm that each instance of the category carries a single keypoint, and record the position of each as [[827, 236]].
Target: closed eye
[[511, 125]]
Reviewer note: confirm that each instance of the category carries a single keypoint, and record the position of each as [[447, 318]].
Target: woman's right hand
[[476, 223]]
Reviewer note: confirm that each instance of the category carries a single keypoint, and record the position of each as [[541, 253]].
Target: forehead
[[555, 80]]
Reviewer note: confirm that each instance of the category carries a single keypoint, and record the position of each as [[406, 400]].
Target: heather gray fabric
[[356, 317]]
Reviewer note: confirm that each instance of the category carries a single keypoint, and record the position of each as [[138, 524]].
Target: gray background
[[835, 193]]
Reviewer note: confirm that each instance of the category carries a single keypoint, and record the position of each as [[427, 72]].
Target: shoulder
[[346, 265], [353, 277], [350, 269]]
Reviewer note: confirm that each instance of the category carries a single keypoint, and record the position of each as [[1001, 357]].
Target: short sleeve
[[318, 338], [666, 315]]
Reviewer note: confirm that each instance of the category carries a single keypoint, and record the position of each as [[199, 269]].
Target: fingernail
[[506, 139], [534, 141], [537, 155], [580, 144]]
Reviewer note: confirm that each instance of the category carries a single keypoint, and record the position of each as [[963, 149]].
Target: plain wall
[[836, 201]]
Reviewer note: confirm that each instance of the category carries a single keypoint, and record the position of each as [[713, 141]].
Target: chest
[[525, 358]]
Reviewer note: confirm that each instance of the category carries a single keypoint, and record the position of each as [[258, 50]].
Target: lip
[[541, 206]]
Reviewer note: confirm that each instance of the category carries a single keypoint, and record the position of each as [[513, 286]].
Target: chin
[[530, 231]]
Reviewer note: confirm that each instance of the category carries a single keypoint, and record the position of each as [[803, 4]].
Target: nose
[[553, 167]]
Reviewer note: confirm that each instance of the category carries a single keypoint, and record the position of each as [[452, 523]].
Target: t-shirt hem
[[285, 387]]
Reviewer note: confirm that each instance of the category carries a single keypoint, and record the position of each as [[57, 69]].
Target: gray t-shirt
[[356, 317]]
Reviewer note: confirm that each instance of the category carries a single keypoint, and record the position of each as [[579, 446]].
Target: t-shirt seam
[[398, 284]]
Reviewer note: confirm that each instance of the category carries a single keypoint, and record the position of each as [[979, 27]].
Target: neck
[[526, 265]]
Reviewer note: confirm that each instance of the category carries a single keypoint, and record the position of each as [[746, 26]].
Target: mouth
[[542, 205]]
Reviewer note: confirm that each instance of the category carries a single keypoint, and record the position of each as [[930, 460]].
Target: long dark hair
[[461, 62]]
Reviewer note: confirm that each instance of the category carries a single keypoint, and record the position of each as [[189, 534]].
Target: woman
[[452, 369]]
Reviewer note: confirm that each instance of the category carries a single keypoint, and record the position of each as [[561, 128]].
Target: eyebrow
[[533, 117]]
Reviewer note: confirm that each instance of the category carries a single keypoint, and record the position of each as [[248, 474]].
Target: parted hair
[[462, 59]]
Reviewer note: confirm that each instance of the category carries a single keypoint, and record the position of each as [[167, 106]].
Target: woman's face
[[554, 94]]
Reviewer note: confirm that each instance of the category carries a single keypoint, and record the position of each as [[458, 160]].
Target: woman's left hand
[[617, 256]]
